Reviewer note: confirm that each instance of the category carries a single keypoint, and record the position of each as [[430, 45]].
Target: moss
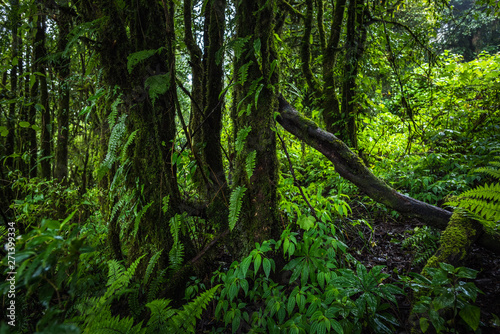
[[457, 238]]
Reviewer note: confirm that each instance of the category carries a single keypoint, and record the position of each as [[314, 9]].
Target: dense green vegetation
[[163, 167]]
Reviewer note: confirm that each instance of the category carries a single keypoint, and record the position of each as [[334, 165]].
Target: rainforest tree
[[173, 135]]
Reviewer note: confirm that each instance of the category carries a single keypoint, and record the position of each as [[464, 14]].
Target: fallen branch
[[350, 166]]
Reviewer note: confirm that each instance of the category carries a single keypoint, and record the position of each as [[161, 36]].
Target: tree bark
[[331, 103], [254, 106], [11, 126], [46, 132], [63, 71]]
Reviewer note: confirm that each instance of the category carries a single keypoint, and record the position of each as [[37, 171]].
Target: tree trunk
[[46, 131], [255, 104], [11, 126], [331, 103], [63, 71]]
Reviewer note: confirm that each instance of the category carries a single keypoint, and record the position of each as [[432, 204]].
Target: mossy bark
[[143, 25], [331, 103], [255, 102], [456, 240], [63, 71]]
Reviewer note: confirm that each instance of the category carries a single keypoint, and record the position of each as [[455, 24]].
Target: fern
[[235, 204], [134, 302], [241, 138], [115, 325], [243, 73], [156, 285], [115, 141], [250, 163], [138, 218], [160, 314], [119, 278], [114, 112], [176, 253], [186, 318], [482, 201], [152, 263], [424, 242], [129, 141], [136, 57], [157, 85]]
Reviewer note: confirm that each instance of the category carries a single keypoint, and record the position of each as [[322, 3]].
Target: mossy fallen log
[[350, 166]]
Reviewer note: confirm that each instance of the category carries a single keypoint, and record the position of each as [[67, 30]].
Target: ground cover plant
[[249, 166]]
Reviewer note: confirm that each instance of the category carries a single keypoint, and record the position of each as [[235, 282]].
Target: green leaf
[[266, 265], [245, 264], [424, 324], [466, 273], [157, 85], [241, 138], [3, 131], [336, 326], [306, 222], [257, 46], [256, 263], [24, 124], [250, 163], [471, 314], [136, 57], [235, 203]]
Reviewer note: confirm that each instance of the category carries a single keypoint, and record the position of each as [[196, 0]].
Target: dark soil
[[382, 246]]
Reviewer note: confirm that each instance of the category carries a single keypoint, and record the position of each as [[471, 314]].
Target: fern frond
[[493, 171], [152, 263], [176, 256], [115, 141], [133, 267], [160, 314], [235, 204], [175, 226], [243, 72], [487, 192], [115, 325], [129, 141], [114, 112], [156, 284], [115, 271], [187, 317], [238, 45], [138, 218], [135, 58], [119, 278], [241, 138], [134, 303], [250, 163]]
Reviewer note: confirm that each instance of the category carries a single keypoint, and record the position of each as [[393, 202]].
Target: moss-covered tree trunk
[[11, 118], [331, 103], [63, 71], [125, 29], [46, 131], [255, 102], [355, 44]]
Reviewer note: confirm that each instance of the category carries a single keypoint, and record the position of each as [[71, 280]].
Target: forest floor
[[382, 246]]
